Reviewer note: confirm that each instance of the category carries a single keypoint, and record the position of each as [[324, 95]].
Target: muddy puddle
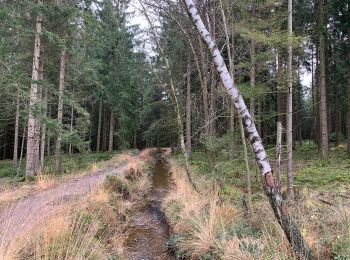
[[148, 230]]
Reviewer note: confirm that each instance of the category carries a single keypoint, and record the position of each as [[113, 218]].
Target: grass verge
[[213, 223]]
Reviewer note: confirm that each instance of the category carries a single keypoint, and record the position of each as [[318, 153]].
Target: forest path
[[18, 219]]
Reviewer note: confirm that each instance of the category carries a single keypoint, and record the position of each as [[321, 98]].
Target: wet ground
[[148, 230]]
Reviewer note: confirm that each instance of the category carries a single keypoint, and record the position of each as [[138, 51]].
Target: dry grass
[[15, 193], [12, 194], [204, 218], [215, 229], [45, 181], [85, 229], [92, 227]]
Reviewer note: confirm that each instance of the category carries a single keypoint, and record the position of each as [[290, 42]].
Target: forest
[[165, 129]]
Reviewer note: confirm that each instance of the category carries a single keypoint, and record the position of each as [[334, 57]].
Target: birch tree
[[288, 225]]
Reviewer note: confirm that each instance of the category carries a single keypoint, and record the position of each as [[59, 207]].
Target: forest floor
[[140, 207], [24, 208], [214, 223]]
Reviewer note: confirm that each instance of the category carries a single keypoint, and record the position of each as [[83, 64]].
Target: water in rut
[[148, 230]]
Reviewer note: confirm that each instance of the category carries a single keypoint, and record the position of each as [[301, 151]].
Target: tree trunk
[[4, 150], [38, 125], [231, 56], [135, 139], [32, 144], [70, 149], [43, 130], [204, 89], [313, 92], [188, 110], [247, 169], [58, 162], [48, 146], [290, 178], [252, 77], [323, 89], [174, 99], [98, 141], [280, 90], [22, 149], [111, 132], [15, 146], [278, 157], [337, 112], [289, 227], [348, 119], [105, 129]]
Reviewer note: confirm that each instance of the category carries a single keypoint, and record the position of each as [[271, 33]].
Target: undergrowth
[[70, 163], [202, 231]]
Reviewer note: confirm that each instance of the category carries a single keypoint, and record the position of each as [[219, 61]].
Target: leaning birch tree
[[288, 225]]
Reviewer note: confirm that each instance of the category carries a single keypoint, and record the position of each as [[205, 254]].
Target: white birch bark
[[31, 164], [289, 227], [227, 81]]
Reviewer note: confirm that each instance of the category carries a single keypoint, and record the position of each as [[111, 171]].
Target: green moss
[[322, 175]]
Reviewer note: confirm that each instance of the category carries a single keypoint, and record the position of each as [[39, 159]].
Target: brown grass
[[89, 228], [203, 217], [206, 219], [86, 229]]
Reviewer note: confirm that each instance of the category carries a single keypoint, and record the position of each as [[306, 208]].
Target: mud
[[148, 229]]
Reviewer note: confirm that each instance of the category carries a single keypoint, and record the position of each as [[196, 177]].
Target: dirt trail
[[21, 217]]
